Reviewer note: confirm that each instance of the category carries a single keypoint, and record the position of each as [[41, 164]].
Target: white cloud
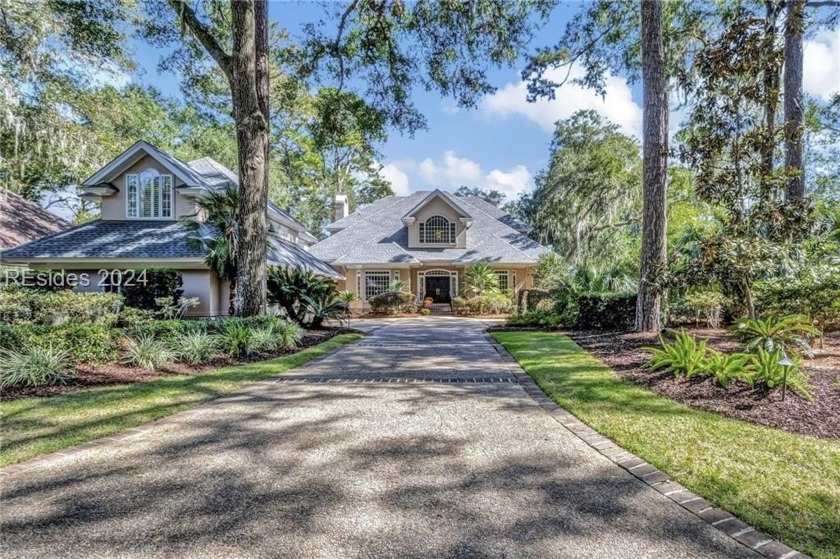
[[617, 105], [397, 178], [821, 67], [451, 171]]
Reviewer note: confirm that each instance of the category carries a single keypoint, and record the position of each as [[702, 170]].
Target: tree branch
[[337, 43], [203, 33]]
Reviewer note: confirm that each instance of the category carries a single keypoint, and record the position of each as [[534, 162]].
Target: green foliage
[[165, 330], [480, 278], [815, 293], [325, 306], [289, 334], [590, 194], [706, 305], [236, 339], [34, 366], [393, 302], [289, 289], [486, 303], [551, 270], [347, 297], [264, 339], [606, 311], [147, 352], [399, 285], [58, 307], [728, 367], [490, 196], [685, 357], [85, 343], [538, 318], [157, 284], [10, 338], [786, 333], [196, 347], [766, 367]]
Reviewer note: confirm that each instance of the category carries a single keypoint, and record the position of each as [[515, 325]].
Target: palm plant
[[685, 357], [399, 285], [786, 333], [213, 229], [481, 278], [287, 288], [323, 306]]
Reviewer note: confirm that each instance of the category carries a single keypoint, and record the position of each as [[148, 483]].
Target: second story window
[[148, 195], [437, 230]]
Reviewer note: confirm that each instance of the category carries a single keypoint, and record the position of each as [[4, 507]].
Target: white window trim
[[137, 197], [361, 284], [451, 229], [421, 282]]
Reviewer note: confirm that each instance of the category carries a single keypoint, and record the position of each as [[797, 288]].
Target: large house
[[145, 193], [426, 239]]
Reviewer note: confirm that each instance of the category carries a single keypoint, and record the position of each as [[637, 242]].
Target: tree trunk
[[655, 160], [232, 298], [794, 105], [252, 140], [262, 68]]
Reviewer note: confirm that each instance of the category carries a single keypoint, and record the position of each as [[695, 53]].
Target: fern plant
[[766, 366], [786, 333], [685, 357], [726, 368]]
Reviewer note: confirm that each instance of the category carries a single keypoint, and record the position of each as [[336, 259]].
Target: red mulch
[[93, 376], [821, 418]]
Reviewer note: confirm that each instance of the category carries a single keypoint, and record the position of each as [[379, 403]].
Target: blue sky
[[503, 143]]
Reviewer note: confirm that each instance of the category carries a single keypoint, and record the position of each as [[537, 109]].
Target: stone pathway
[[416, 442]]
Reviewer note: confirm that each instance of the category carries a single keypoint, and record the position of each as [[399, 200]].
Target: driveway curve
[[415, 442]]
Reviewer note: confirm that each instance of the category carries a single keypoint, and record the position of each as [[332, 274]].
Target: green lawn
[[784, 484], [34, 426]]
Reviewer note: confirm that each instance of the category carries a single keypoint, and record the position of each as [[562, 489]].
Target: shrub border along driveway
[[77, 421], [596, 379]]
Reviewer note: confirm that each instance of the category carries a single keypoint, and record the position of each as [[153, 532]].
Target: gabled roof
[[22, 221], [450, 200], [376, 235], [178, 168], [141, 239]]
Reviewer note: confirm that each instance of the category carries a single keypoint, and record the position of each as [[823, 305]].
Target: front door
[[438, 289]]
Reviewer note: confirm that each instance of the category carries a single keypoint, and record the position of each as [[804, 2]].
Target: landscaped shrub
[[58, 307], [196, 347], [607, 311], [767, 367], [147, 352], [534, 299], [287, 287], [488, 303], [34, 366], [685, 357], [480, 278], [706, 306], [816, 295], [538, 319], [86, 343], [289, 334], [164, 330], [393, 302], [9, 337], [236, 339], [728, 367], [786, 333], [264, 339], [143, 292]]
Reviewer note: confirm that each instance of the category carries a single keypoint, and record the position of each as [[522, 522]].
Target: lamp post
[[786, 363]]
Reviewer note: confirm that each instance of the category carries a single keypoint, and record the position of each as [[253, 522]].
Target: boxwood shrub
[[393, 302]]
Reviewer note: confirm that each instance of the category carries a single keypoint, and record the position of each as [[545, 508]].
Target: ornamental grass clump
[[147, 352], [197, 347], [35, 366]]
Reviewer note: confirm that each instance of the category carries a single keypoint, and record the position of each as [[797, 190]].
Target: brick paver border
[[649, 474]]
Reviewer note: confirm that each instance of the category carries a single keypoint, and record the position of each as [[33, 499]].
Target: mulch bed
[[622, 352], [94, 376]]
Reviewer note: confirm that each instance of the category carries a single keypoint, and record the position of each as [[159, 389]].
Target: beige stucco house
[[426, 239], [145, 193]]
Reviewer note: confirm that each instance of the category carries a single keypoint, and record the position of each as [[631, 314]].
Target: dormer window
[[437, 230], [148, 195]]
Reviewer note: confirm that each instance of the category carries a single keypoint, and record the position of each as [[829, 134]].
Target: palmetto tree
[[481, 278], [213, 229]]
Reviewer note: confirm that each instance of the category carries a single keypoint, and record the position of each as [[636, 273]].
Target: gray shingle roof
[[146, 239], [376, 235]]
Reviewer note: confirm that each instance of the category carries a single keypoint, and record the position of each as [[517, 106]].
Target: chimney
[[342, 208]]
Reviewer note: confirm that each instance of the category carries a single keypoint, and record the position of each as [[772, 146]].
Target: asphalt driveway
[[415, 442]]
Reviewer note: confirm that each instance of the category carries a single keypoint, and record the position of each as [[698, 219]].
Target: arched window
[[148, 194], [437, 230]]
